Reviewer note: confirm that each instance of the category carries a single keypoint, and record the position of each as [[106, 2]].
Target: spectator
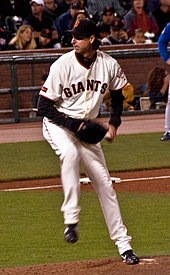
[[162, 14], [51, 9], [156, 86], [39, 20], [23, 40], [45, 39], [126, 4], [113, 37], [65, 21], [128, 93], [82, 14], [67, 36], [152, 5], [12, 14], [19, 8], [118, 35], [103, 29], [3, 38], [138, 17], [138, 37], [108, 15], [63, 7], [95, 8], [12, 24]]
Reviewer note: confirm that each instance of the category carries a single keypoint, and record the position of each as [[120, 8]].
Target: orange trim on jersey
[[44, 89]]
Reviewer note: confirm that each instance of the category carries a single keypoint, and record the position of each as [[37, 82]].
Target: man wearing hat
[[108, 15], [70, 97], [39, 20], [45, 40], [64, 21], [96, 7], [118, 34]]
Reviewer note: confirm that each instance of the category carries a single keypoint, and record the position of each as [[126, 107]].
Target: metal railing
[[13, 59]]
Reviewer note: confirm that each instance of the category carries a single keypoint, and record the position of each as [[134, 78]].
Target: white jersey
[[79, 91]]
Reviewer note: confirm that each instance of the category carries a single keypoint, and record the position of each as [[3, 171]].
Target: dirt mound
[[151, 266]]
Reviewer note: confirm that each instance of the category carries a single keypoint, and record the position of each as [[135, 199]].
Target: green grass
[[29, 160], [31, 224], [32, 227]]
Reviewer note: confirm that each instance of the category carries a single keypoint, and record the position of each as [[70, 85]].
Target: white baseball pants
[[71, 152]]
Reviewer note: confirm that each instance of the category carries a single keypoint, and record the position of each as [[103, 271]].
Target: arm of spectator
[[36, 34], [166, 84], [55, 34], [128, 23]]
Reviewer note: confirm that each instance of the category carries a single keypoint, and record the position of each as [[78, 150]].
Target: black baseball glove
[[84, 130], [91, 132]]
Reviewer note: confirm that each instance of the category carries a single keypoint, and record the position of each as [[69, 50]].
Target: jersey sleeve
[[163, 41], [52, 88], [118, 78]]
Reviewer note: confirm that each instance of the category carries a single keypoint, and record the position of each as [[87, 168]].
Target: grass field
[[32, 227], [29, 160], [31, 224]]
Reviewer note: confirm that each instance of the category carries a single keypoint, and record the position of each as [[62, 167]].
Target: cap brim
[[77, 35]]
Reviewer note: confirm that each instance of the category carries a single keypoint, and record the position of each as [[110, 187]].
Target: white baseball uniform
[[79, 92]]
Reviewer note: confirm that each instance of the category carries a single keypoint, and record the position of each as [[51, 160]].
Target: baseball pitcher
[[69, 101]]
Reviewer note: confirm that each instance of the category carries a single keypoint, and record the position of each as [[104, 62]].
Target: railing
[[14, 62]]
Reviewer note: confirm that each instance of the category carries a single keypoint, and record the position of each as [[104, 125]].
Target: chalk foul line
[[83, 181]]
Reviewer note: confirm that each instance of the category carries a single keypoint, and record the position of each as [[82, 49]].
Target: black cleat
[[166, 136], [129, 257], [70, 233]]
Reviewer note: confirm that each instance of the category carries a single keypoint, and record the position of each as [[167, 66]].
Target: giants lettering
[[67, 92], [92, 85]]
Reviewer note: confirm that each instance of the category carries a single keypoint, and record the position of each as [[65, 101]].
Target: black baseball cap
[[75, 5], [46, 33], [116, 24], [85, 28], [108, 9]]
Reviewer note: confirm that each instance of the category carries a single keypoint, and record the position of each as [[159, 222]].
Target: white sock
[[167, 113]]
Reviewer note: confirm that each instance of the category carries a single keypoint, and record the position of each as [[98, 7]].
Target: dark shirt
[[161, 18], [62, 22], [3, 39], [38, 26], [155, 96], [62, 8], [21, 8], [48, 46]]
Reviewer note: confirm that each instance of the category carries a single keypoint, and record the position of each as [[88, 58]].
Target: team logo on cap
[[76, 23]]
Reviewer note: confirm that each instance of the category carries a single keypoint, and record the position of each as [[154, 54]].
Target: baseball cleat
[[70, 233], [166, 136], [129, 257]]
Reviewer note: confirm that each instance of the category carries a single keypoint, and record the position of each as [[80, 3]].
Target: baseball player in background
[[163, 42], [71, 96]]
